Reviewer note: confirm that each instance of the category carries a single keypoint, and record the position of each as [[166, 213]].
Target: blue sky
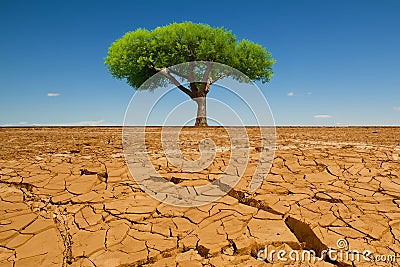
[[337, 61]]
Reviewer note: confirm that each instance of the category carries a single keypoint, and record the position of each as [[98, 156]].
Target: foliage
[[140, 54]]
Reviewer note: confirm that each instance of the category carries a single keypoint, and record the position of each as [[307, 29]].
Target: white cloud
[[89, 123], [396, 108], [322, 116], [53, 94], [290, 94], [308, 93], [79, 123], [15, 124]]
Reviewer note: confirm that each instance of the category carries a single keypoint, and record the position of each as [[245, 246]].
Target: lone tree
[[139, 55]]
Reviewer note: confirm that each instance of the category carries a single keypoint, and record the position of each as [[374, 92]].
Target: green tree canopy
[[140, 54]]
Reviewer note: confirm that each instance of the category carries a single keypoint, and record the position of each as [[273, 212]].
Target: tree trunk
[[201, 119]]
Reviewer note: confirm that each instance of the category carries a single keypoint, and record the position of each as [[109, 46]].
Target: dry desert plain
[[67, 199]]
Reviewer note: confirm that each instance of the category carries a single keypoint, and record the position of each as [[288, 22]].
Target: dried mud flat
[[67, 199]]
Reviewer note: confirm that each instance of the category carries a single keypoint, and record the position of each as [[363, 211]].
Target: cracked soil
[[68, 199]]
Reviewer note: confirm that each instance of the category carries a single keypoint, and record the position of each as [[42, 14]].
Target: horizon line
[[215, 126]]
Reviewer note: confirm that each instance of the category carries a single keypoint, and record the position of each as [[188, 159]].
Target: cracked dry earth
[[67, 199]]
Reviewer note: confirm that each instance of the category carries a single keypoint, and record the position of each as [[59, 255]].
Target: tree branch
[[166, 73], [172, 71], [220, 77], [193, 87], [205, 81], [206, 74], [191, 72], [192, 83]]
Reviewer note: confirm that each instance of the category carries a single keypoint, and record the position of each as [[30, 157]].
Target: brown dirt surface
[[67, 199]]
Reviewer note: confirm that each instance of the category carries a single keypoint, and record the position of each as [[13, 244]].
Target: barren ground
[[67, 199]]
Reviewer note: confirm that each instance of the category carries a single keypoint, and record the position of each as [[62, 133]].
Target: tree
[[139, 55]]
